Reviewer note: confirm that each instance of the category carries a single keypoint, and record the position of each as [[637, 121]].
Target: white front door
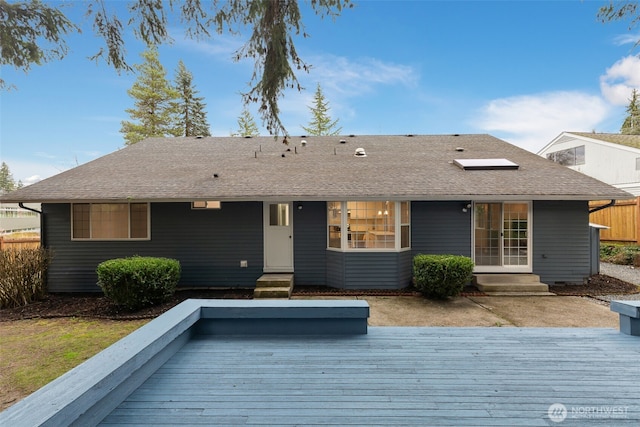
[[502, 237], [278, 237]]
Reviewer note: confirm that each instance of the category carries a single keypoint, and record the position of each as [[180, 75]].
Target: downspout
[[42, 233], [29, 209], [599, 208]]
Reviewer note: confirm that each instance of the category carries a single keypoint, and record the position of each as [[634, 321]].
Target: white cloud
[[219, 46], [532, 121], [32, 179], [29, 172], [626, 39], [352, 77], [342, 79], [620, 79]]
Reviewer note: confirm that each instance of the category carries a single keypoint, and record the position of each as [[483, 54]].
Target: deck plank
[[394, 376]]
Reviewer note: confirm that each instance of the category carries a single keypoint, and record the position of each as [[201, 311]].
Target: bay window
[[368, 225]]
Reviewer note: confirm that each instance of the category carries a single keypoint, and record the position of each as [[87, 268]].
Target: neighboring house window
[[110, 221], [368, 225], [11, 212], [569, 157]]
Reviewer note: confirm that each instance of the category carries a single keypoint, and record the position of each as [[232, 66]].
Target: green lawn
[[35, 352]]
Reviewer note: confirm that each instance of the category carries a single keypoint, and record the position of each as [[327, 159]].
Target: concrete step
[[273, 292], [505, 284], [271, 280], [520, 294], [506, 278], [274, 286]]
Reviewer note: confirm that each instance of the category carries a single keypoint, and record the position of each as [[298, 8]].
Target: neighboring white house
[[609, 157], [14, 219], [612, 158]]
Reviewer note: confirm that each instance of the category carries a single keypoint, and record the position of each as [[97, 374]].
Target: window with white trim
[[368, 225], [110, 221], [405, 225], [334, 222]]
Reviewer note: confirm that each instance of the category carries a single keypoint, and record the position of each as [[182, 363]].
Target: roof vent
[[460, 149], [343, 141], [352, 136], [248, 136], [360, 152], [303, 142], [199, 137], [409, 135]]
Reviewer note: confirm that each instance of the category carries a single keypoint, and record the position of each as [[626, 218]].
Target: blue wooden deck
[[395, 376]]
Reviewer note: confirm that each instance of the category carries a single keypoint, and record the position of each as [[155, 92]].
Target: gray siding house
[[347, 212]]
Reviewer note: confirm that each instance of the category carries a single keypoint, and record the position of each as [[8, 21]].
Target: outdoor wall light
[[466, 207]]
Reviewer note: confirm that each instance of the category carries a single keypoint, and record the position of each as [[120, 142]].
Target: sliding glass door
[[501, 237]]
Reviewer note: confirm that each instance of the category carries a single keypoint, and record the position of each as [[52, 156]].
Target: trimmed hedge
[[138, 282], [441, 276], [22, 276]]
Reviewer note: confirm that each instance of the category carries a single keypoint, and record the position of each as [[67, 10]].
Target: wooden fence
[[19, 243], [622, 218]]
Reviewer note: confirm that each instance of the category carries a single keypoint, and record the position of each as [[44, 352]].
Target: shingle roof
[[614, 138], [396, 167]]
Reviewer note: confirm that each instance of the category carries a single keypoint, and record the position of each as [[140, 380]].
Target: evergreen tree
[[154, 107], [246, 125], [631, 125], [34, 32], [7, 182], [321, 123], [192, 117]]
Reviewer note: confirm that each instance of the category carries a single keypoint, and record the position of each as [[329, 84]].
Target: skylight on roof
[[485, 164]]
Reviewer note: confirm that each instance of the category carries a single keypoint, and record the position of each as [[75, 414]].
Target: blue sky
[[523, 71]]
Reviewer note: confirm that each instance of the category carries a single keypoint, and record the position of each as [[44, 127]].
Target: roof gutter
[[599, 208]]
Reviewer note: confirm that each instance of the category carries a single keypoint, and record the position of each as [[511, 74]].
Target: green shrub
[[441, 276], [617, 253], [138, 282], [22, 276]]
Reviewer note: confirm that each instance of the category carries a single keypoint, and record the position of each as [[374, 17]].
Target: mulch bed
[[599, 284], [99, 307]]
